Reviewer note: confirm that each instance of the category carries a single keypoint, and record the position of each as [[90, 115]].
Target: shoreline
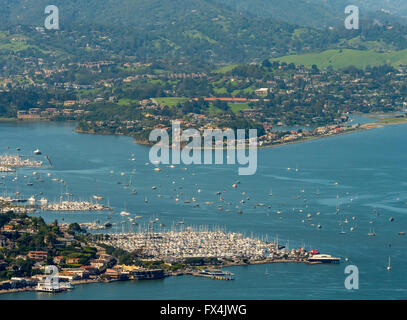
[[170, 274], [363, 127], [382, 119]]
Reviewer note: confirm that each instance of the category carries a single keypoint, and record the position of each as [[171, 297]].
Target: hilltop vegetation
[[321, 13], [195, 33]]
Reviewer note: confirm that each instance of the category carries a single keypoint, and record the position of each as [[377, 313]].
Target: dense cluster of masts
[[74, 206], [190, 242], [15, 161]]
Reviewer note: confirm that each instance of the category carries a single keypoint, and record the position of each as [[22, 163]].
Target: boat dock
[[214, 274]]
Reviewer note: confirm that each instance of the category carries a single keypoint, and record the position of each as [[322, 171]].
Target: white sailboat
[[124, 213], [371, 233], [337, 204], [97, 196]]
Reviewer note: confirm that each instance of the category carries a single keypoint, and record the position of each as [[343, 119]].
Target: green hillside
[[201, 32], [347, 57]]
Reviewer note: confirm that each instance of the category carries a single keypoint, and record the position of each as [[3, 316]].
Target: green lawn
[[236, 107], [221, 90], [212, 109], [347, 57], [225, 69], [170, 101], [127, 102]]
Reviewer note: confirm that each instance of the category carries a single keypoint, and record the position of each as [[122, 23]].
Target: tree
[[74, 228], [266, 63]]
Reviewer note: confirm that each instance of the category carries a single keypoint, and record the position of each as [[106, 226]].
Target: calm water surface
[[364, 174]]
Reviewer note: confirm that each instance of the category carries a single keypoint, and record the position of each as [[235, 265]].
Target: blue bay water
[[363, 173]]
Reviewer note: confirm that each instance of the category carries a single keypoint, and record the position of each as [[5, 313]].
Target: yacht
[[44, 287], [37, 152], [371, 233], [324, 258]]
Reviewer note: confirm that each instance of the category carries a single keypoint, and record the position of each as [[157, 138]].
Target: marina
[[17, 161], [192, 243], [30, 205], [74, 206], [318, 188]]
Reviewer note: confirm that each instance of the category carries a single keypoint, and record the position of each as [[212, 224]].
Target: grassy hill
[[199, 30], [347, 57], [202, 32]]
